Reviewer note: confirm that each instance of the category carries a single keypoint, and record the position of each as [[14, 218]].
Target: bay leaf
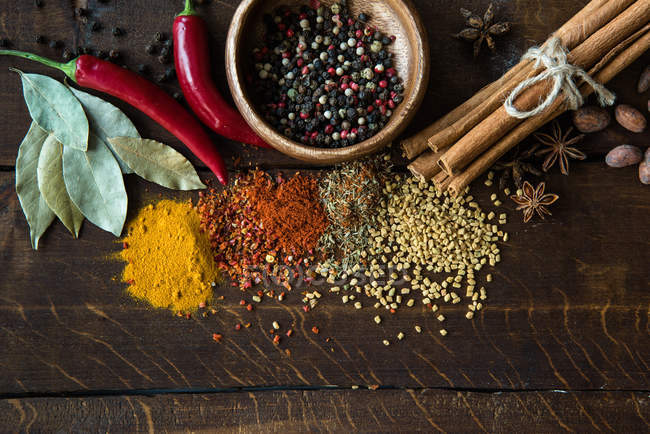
[[56, 109], [95, 185], [52, 186], [157, 162], [38, 214], [106, 121]]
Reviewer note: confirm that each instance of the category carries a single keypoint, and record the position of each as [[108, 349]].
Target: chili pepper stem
[[189, 9], [68, 68]]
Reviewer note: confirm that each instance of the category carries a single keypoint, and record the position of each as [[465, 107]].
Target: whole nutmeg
[[630, 118], [623, 156], [591, 118], [644, 80]]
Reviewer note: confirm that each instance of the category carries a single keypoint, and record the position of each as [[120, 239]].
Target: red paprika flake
[[315, 330], [261, 222], [217, 337]]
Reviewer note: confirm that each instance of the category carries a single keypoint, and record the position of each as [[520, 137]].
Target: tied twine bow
[[554, 59]]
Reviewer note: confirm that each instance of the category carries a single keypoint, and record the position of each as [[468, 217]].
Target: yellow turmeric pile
[[169, 260]]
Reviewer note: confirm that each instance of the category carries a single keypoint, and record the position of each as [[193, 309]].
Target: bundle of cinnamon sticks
[[603, 38]]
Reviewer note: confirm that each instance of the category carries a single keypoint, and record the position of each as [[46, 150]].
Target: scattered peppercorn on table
[[554, 338]]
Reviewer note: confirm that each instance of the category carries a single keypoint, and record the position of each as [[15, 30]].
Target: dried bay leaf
[[55, 109], [157, 162], [52, 185], [106, 121], [94, 181], [38, 214]]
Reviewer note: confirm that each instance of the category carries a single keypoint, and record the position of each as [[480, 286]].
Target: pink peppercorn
[[383, 84]]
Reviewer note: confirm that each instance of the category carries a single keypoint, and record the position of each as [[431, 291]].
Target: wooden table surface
[[562, 345]]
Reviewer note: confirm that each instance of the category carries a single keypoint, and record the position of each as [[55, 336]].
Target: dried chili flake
[[315, 330], [217, 337]]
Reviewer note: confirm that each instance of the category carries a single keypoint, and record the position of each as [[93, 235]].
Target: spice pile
[[261, 227], [351, 195], [169, 259], [329, 78], [421, 231]]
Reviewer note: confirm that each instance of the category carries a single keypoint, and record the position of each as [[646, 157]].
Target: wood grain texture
[[568, 309], [411, 56], [335, 411]]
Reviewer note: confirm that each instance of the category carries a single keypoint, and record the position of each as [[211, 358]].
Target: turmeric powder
[[169, 260]]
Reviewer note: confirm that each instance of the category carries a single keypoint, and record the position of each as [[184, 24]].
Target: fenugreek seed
[[479, 306], [506, 191], [497, 203], [385, 342], [469, 315], [434, 308], [355, 387], [400, 336], [378, 319], [426, 301], [490, 175], [488, 183], [344, 299], [276, 326], [418, 329], [475, 296], [256, 299], [410, 303], [488, 278], [443, 332], [357, 305], [441, 317], [493, 197]]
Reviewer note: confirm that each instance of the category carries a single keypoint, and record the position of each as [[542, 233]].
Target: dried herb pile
[[351, 195]]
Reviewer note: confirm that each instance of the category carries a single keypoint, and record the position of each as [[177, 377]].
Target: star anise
[[534, 200], [481, 29], [559, 147], [516, 168]]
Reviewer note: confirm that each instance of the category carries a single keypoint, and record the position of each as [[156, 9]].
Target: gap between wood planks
[[190, 391]]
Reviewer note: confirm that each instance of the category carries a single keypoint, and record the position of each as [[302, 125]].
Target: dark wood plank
[[335, 411], [568, 309], [533, 22]]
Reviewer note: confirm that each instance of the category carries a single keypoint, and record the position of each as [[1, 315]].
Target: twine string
[[554, 59]]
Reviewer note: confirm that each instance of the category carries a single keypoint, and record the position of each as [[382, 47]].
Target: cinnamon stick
[[426, 165], [499, 123], [592, 17], [572, 32], [416, 144], [458, 182]]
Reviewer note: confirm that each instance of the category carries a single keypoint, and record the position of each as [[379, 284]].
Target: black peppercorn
[[159, 37], [164, 51], [95, 26], [55, 44], [143, 69], [81, 12], [170, 73], [150, 49], [117, 31], [177, 96], [160, 78], [114, 54], [40, 39], [163, 60], [101, 54]]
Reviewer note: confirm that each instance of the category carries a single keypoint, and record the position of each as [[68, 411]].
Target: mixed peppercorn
[[329, 77]]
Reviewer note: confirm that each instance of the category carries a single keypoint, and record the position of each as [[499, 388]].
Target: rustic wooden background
[[562, 345]]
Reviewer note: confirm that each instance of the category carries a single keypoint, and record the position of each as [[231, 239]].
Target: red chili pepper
[[192, 59], [89, 71]]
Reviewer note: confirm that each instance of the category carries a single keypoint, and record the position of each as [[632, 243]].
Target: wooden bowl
[[410, 55]]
